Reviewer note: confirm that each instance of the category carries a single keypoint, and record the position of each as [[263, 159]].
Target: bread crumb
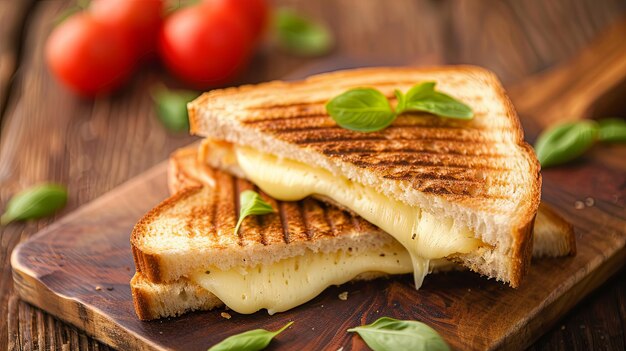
[[340, 349], [98, 288], [579, 205], [562, 327], [160, 333], [226, 315], [343, 296], [110, 288], [589, 202]]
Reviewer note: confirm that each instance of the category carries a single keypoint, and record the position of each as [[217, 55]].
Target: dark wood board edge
[[94, 324], [548, 314], [32, 290]]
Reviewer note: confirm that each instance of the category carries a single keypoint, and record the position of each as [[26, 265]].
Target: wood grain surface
[[48, 134], [78, 269]]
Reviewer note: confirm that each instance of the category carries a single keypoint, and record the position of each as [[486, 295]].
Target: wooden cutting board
[[79, 268]]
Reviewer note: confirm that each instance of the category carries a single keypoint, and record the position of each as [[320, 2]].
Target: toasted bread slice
[[553, 236], [480, 172], [194, 229]]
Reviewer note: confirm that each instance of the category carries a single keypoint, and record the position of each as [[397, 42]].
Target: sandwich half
[[159, 298], [465, 190]]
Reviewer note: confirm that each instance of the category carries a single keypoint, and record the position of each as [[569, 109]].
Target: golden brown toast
[[194, 229], [167, 299], [553, 235], [479, 172]]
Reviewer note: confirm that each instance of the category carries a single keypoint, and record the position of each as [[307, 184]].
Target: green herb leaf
[[565, 142], [423, 97], [35, 202], [300, 35], [361, 109], [70, 11], [392, 334], [171, 107], [612, 130], [252, 340], [251, 204]]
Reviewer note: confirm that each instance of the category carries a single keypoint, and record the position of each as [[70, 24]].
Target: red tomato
[[88, 56], [255, 12], [141, 18], [205, 46]]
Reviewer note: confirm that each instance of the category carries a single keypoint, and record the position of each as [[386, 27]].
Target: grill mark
[[337, 139], [283, 220], [331, 224], [275, 125], [364, 164], [305, 222], [237, 208], [461, 193], [411, 152], [326, 139]]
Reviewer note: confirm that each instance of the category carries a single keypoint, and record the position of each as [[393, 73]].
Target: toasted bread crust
[[146, 263], [152, 300]]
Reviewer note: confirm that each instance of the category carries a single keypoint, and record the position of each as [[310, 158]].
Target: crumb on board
[[579, 205], [226, 315], [589, 202], [110, 288], [343, 296], [98, 288]]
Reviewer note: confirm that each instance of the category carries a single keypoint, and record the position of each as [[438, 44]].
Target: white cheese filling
[[293, 281], [423, 235]]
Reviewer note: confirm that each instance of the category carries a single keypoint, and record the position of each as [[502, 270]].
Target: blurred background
[[91, 121]]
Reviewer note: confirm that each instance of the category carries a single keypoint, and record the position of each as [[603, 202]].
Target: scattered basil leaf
[[251, 203], [391, 334], [361, 109], [80, 6], [35, 202], [173, 6], [171, 107], [300, 35], [565, 142], [252, 340], [612, 130], [423, 97]]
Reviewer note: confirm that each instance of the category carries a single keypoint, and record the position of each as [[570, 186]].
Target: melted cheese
[[424, 236], [296, 280]]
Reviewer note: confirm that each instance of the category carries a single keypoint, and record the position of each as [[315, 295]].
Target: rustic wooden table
[[92, 146]]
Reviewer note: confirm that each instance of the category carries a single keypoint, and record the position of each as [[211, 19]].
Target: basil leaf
[[392, 334], [35, 202], [401, 101], [252, 340], [612, 130], [171, 107], [300, 35], [565, 142], [423, 97], [361, 109], [251, 203]]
